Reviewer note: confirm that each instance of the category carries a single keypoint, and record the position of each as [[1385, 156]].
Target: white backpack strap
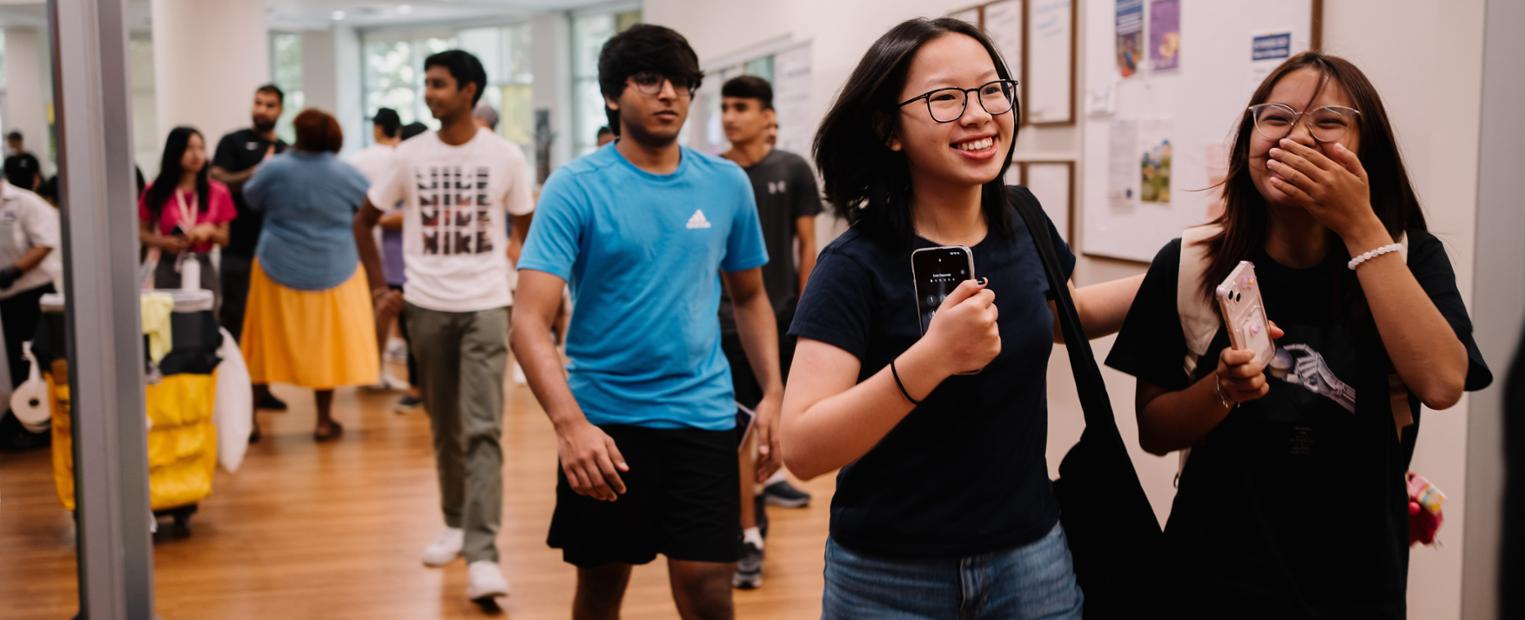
[[1198, 321]]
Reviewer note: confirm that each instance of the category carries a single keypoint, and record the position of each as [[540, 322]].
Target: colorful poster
[[1130, 35], [1155, 156], [1164, 34]]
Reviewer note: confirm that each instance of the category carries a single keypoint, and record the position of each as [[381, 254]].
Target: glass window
[[286, 73], [589, 33]]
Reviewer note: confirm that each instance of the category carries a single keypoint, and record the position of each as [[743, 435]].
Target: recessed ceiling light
[[338, 15], [404, 9]]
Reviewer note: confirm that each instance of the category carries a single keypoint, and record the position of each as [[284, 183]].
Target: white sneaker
[[486, 581], [444, 549]]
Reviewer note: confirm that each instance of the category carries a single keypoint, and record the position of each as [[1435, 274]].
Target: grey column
[[89, 39]]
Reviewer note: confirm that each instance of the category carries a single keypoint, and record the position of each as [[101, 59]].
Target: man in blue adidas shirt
[[645, 417]]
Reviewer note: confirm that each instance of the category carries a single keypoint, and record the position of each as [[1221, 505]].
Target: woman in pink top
[[183, 214]]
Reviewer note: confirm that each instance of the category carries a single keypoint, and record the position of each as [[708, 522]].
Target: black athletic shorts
[[681, 501]]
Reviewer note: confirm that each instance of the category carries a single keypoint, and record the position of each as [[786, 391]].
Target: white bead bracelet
[[1386, 249]]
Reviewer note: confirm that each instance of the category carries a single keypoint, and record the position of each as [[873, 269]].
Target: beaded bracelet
[[1386, 249]]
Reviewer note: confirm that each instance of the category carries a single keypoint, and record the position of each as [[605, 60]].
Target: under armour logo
[[777, 187]]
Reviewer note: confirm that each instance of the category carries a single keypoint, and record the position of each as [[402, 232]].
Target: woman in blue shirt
[[310, 321]]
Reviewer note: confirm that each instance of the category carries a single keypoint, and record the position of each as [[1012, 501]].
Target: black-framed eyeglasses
[[1329, 123], [946, 105], [649, 83]]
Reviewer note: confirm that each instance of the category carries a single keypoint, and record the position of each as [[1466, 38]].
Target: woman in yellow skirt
[[309, 320]]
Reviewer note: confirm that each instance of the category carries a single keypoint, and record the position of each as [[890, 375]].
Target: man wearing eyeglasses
[[645, 415]]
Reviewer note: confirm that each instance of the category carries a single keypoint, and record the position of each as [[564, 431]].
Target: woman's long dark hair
[[865, 181], [170, 172], [1244, 214]]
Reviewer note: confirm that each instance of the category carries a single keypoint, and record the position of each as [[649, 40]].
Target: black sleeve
[[227, 154], [836, 308], [1432, 268], [807, 201], [1151, 345]]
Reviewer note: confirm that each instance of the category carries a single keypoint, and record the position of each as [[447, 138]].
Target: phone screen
[[938, 271]]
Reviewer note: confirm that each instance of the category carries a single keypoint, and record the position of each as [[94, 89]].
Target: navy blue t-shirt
[[964, 473], [1295, 505]]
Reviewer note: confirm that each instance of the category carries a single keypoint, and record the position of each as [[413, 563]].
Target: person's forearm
[[220, 236], [1177, 420], [840, 429], [807, 264], [537, 356], [516, 238], [392, 221], [758, 331], [1102, 307], [1424, 349], [365, 244], [32, 258], [232, 179]]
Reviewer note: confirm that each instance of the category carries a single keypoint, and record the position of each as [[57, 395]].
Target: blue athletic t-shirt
[[643, 253]]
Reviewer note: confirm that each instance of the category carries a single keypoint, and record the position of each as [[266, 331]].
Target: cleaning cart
[[181, 361]]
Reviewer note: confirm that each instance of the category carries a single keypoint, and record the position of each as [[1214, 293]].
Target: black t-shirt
[[1296, 504], [22, 170], [786, 190], [965, 472], [237, 152]]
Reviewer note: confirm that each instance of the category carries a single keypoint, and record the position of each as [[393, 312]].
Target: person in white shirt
[[457, 185], [29, 265], [375, 162]]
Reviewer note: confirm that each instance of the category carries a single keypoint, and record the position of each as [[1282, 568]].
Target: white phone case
[[1244, 313]]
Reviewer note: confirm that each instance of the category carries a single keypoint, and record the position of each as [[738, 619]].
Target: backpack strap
[[1199, 323]]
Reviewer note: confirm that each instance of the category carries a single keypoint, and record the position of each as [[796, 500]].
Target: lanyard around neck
[[187, 214]]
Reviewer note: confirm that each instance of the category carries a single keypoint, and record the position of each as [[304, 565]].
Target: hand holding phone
[[1244, 314], [965, 333]]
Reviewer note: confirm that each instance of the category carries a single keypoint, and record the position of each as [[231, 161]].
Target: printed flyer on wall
[[1130, 36], [1164, 34]]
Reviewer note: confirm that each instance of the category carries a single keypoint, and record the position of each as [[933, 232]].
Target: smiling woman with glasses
[[1294, 502], [943, 498]]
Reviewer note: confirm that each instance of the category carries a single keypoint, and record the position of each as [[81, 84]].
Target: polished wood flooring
[[334, 531]]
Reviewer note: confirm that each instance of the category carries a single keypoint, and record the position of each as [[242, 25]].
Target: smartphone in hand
[[936, 272], [1244, 313]]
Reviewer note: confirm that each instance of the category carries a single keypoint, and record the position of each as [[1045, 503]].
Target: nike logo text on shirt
[[698, 220]]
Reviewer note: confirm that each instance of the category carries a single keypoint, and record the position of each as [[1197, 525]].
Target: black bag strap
[[1094, 402]]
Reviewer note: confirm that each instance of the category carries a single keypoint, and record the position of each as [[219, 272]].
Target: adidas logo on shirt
[[698, 221]]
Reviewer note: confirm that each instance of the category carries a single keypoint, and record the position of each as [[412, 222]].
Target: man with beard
[[646, 418], [238, 155]]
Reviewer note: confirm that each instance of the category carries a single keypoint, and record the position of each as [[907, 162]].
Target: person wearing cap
[[374, 162]]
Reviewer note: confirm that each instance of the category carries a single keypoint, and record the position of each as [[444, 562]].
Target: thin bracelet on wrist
[[1228, 403], [894, 372]]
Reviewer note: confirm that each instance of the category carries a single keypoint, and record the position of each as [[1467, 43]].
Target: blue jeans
[[1033, 581]]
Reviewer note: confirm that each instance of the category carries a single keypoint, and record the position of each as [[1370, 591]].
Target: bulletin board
[[1037, 39], [1167, 82]]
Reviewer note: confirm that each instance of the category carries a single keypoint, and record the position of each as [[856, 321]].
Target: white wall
[[1500, 268], [349, 101], [1426, 60], [28, 89], [209, 56]]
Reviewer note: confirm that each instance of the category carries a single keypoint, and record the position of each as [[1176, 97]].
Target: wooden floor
[[335, 531]]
